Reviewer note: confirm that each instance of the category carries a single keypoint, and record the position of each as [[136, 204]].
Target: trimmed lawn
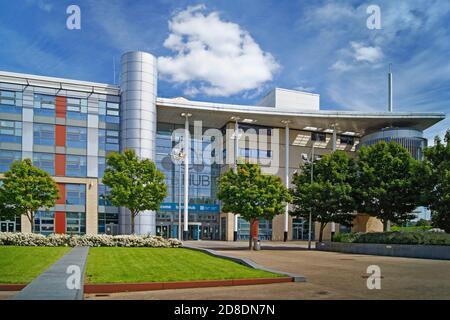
[[120, 265], [23, 264]]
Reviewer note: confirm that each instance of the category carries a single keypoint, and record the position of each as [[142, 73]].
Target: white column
[[236, 144], [333, 225], [286, 178], [186, 174]]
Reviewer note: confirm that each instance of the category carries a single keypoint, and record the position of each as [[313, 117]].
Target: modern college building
[[68, 127]]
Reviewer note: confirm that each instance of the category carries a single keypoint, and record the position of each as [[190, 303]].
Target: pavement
[[62, 281], [330, 275]]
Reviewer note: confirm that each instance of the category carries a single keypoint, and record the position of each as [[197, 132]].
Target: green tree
[[329, 198], [436, 169], [135, 184], [252, 195], [387, 182], [26, 189]]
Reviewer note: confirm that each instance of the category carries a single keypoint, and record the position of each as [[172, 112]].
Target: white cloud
[[340, 66], [305, 89], [213, 56], [368, 54], [41, 4]]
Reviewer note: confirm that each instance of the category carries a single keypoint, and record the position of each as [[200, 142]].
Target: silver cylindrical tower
[[411, 139], [138, 87]]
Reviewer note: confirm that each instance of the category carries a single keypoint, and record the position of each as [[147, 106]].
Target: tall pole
[[310, 209], [186, 175], [179, 199], [390, 90], [286, 177], [334, 146], [236, 154]]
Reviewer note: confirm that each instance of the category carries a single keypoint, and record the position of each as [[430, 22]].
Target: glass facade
[[7, 157], [44, 134], [204, 207], [45, 161], [11, 131], [264, 229], [76, 137]]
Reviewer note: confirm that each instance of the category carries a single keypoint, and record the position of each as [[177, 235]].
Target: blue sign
[[197, 207]]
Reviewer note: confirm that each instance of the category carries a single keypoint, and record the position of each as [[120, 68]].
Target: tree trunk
[[30, 217], [133, 215], [253, 232], [386, 225], [322, 226]]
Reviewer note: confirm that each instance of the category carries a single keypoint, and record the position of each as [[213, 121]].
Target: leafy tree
[[252, 195], [25, 190], [387, 182], [436, 168], [329, 197], [135, 184]]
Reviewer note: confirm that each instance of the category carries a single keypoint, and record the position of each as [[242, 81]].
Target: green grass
[[23, 264], [119, 265]]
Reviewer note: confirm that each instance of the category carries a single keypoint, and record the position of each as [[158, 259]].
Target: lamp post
[[286, 176], [186, 174], [310, 209], [178, 156], [235, 166]]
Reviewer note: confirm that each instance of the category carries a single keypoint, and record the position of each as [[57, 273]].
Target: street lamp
[[187, 147], [310, 209], [178, 155]]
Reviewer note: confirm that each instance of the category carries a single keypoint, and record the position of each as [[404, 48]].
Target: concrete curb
[[51, 284], [246, 262], [151, 286], [388, 250]]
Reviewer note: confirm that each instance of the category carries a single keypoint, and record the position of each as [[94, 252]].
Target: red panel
[[60, 165], [60, 222], [62, 193], [61, 106], [60, 135]]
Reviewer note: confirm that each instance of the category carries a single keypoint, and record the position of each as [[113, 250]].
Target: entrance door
[[163, 231], [7, 226]]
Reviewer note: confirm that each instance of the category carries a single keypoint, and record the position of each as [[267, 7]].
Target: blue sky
[[235, 51]]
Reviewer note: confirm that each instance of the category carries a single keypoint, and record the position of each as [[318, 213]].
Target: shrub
[[103, 240], [396, 237]]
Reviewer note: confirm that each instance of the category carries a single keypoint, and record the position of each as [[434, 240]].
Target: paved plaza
[[329, 275]]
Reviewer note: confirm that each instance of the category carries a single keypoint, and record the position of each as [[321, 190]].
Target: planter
[[392, 250]]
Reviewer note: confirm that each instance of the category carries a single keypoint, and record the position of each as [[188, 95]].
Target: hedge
[[396, 237], [65, 240]]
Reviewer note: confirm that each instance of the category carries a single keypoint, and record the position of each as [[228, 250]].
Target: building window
[[77, 109], [10, 101], [108, 140], [75, 223], [44, 134], [348, 140], [11, 131], [318, 136], [108, 111], [76, 137], [75, 194], [44, 222], [44, 105], [103, 192], [7, 158], [75, 166], [44, 161], [101, 166]]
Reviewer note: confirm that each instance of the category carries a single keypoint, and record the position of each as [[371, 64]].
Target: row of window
[[44, 222], [321, 137], [45, 105]]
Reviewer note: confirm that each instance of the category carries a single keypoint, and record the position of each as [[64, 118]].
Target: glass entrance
[[163, 231], [7, 226], [300, 229]]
